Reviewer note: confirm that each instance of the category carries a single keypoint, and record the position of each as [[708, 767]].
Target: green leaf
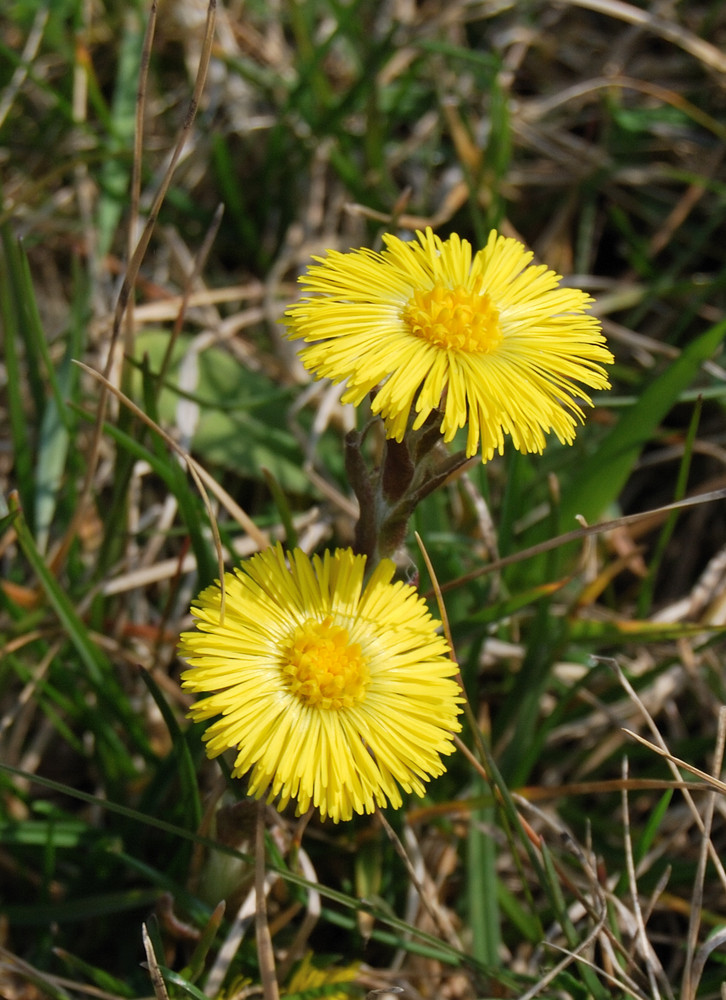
[[190, 507], [241, 424]]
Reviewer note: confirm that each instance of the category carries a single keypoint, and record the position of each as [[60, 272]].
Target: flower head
[[494, 342], [307, 977], [332, 692]]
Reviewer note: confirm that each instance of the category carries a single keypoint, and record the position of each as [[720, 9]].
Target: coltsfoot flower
[[332, 692], [492, 340], [308, 978]]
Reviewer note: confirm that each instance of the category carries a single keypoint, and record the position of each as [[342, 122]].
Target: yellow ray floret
[[494, 342], [332, 693]]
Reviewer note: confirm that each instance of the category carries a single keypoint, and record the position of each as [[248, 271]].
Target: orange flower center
[[322, 667], [456, 319]]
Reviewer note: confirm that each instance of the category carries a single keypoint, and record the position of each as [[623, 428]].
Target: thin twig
[[662, 750], [157, 980], [200, 475], [692, 969], [570, 957], [415, 881], [132, 270], [312, 913], [20, 73], [577, 535], [135, 185], [641, 935], [678, 34], [468, 710], [200, 259]]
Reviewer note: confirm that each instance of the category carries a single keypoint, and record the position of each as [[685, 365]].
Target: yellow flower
[[307, 979], [494, 342], [331, 692]]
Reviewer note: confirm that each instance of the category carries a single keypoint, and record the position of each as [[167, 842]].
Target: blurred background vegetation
[[594, 132]]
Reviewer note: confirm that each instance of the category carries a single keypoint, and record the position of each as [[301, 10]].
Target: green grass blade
[[283, 508], [82, 908], [116, 168], [523, 707], [99, 977], [482, 894], [39, 464], [112, 704], [645, 597], [187, 988], [38, 372], [652, 826], [601, 477], [185, 767], [53, 444], [58, 428], [193, 970], [587, 974], [93, 658], [439, 948], [10, 296]]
